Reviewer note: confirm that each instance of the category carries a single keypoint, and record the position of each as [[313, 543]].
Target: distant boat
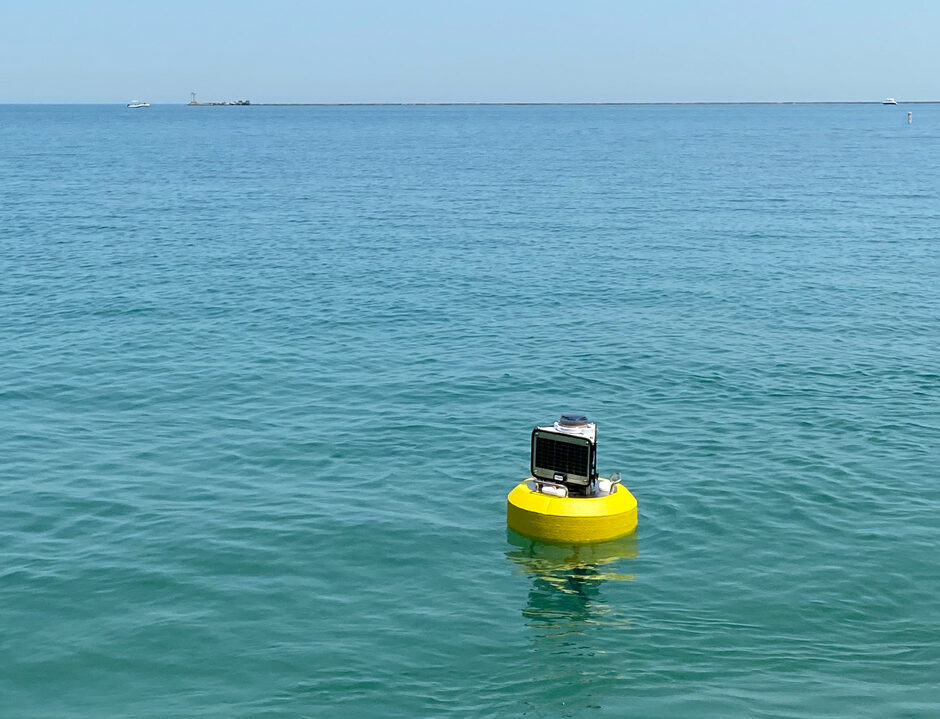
[[889, 101], [138, 103]]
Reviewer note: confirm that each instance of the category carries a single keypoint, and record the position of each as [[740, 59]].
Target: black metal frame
[[571, 439]]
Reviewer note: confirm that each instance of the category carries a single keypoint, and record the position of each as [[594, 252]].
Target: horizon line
[[499, 104]]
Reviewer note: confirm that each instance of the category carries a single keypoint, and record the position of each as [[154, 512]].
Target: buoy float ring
[[567, 519]]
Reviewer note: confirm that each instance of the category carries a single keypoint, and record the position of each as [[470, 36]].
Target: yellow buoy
[[568, 519], [564, 499]]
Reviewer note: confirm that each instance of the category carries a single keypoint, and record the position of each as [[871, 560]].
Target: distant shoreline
[[546, 104], [498, 104]]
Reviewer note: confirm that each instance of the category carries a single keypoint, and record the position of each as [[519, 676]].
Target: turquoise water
[[268, 375]]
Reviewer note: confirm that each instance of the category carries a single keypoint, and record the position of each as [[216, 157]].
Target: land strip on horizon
[[514, 104]]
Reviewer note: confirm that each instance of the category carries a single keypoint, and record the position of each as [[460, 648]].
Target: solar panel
[[554, 453], [561, 456]]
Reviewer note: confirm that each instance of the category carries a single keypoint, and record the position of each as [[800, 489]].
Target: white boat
[[138, 103], [889, 101]]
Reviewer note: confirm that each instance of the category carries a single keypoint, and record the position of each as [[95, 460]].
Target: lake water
[[268, 374]]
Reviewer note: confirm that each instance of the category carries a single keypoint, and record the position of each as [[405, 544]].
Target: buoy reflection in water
[[567, 582]]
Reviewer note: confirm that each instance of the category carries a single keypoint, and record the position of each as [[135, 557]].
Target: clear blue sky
[[474, 50]]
